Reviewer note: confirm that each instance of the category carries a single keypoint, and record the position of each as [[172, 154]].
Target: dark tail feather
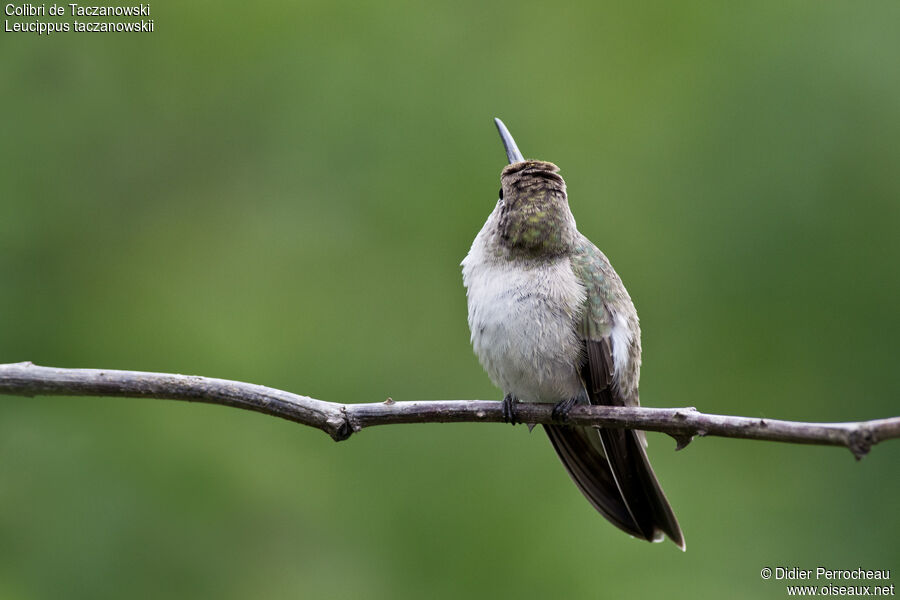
[[611, 469]]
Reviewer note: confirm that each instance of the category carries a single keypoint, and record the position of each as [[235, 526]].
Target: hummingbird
[[551, 321]]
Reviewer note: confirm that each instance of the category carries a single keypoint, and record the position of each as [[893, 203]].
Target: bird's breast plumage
[[524, 318]]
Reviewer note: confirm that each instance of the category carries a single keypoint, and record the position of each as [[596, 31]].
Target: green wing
[[610, 466], [596, 274]]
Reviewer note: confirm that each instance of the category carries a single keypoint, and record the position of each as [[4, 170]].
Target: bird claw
[[508, 409], [562, 408]]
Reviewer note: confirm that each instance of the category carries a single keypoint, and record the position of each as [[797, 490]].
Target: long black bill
[[512, 151]]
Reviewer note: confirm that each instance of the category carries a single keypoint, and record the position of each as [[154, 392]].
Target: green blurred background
[[281, 193]]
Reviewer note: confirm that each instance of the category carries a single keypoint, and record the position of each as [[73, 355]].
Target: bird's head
[[534, 215]]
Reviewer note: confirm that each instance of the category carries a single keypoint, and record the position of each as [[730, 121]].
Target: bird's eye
[[501, 193]]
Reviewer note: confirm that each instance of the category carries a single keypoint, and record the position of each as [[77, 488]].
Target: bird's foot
[[509, 409], [562, 408]]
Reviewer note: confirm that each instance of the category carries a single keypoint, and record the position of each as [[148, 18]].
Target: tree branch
[[340, 421]]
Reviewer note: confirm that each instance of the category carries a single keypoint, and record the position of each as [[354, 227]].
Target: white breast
[[523, 322]]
